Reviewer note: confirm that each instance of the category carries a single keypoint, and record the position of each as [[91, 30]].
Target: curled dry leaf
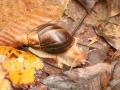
[[20, 66]]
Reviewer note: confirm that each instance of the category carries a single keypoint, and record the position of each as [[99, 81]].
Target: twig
[[79, 24], [81, 21]]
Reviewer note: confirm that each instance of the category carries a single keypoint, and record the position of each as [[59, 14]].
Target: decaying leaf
[[20, 66], [90, 78], [114, 7], [88, 4], [111, 33], [15, 9], [39, 87]]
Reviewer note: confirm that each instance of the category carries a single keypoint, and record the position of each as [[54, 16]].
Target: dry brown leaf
[[114, 7], [88, 4], [111, 33], [15, 9]]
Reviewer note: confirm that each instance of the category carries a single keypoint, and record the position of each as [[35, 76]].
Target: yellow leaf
[[12, 65], [14, 77], [27, 77], [21, 68]]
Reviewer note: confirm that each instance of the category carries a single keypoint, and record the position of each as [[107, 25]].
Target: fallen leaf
[[20, 66], [114, 7], [111, 34], [88, 4]]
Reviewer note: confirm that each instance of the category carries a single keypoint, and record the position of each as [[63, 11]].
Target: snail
[[51, 39], [56, 42]]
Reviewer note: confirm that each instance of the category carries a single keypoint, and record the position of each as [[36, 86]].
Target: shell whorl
[[54, 39]]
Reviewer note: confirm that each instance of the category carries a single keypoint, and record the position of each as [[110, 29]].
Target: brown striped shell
[[19, 17], [54, 39]]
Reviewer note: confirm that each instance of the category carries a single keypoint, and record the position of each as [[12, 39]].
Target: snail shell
[[54, 39]]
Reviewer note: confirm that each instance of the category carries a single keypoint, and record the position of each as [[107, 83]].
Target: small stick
[[81, 21], [79, 24]]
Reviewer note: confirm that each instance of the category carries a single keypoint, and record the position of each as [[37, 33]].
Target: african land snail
[[52, 40], [56, 41]]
